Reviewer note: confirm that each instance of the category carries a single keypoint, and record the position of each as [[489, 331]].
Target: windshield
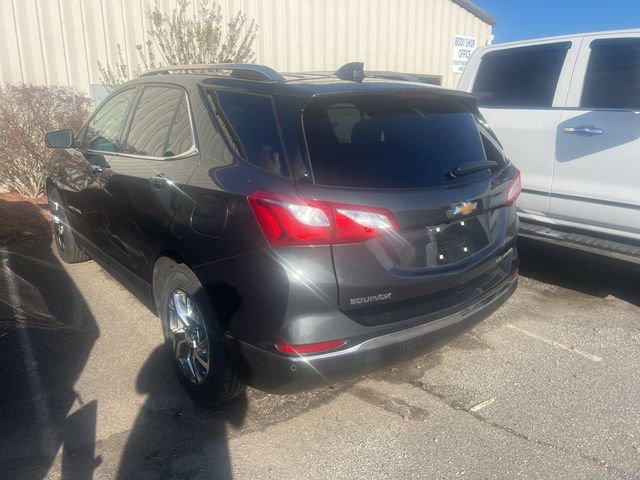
[[390, 141]]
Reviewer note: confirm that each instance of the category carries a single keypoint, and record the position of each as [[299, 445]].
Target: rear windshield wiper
[[467, 168]]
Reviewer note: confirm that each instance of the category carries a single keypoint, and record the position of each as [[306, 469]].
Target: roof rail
[[249, 71]]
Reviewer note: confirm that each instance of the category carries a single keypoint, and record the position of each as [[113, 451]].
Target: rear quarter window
[[250, 124], [520, 77]]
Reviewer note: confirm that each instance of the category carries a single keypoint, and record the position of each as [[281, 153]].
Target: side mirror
[[59, 138]]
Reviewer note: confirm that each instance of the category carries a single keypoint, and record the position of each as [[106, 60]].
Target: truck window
[[520, 77], [613, 74]]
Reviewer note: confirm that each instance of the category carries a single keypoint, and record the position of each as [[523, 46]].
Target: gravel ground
[[547, 387]]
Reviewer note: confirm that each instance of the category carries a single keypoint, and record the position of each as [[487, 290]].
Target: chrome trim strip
[[189, 153]]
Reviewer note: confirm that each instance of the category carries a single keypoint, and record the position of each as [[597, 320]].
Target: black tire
[[67, 246], [220, 383]]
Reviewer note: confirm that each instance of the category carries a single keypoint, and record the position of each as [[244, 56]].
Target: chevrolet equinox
[[290, 229]]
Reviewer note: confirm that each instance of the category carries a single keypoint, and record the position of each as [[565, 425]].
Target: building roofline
[[477, 11]]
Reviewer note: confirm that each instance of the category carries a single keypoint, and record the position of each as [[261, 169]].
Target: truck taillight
[[515, 187], [289, 220]]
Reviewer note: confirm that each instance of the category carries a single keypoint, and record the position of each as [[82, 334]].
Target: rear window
[[388, 141], [520, 77]]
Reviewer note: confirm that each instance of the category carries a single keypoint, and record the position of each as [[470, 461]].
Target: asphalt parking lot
[[547, 387]]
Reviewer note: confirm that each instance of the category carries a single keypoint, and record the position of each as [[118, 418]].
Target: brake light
[[289, 220], [309, 348], [514, 189]]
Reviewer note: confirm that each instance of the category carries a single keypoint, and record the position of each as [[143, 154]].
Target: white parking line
[[553, 343]]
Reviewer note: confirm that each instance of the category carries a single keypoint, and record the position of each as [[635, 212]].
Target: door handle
[[584, 130], [160, 181], [96, 169]]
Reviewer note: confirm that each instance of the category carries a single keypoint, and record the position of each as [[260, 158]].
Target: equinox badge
[[370, 298]]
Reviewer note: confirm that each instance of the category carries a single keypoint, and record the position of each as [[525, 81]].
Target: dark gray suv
[[290, 229]]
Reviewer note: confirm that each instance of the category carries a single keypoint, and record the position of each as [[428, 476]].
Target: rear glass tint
[[250, 122], [520, 77], [389, 141]]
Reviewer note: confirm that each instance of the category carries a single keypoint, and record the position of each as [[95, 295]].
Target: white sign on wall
[[463, 47]]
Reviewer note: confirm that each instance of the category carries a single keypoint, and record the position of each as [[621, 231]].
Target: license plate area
[[451, 242], [432, 246]]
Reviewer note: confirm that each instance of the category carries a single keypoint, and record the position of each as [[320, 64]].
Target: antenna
[[352, 71]]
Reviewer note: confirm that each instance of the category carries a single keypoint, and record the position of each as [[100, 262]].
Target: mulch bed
[[23, 219]]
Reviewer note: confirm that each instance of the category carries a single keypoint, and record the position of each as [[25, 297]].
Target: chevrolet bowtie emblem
[[465, 208]]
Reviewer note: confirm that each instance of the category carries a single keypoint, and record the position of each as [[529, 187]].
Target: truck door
[[520, 92], [597, 166]]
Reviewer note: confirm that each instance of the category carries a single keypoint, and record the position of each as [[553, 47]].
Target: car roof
[[297, 84]]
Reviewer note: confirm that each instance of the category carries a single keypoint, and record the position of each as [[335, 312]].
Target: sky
[[522, 19]]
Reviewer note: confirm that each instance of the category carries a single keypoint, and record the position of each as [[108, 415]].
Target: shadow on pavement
[[182, 443], [46, 334], [579, 271]]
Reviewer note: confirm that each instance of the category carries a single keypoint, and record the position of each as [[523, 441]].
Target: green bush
[[27, 112]]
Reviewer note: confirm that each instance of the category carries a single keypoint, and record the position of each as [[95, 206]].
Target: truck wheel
[[194, 336], [66, 244]]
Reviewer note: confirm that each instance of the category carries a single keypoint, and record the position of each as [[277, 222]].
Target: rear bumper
[[276, 373]]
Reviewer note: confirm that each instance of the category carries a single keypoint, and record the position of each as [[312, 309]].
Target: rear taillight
[[515, 187], [309, 348], [289, 220]]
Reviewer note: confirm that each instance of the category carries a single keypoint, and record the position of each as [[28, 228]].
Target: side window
[[613, 74], [250, 121], [152, 122], [180, 135], [520, 77], [103, 131]]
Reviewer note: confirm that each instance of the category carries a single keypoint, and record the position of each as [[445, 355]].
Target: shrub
[[181, 39], [27, 112]]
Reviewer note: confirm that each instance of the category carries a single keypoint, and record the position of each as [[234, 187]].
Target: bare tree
[[27, 112], [179, 38]]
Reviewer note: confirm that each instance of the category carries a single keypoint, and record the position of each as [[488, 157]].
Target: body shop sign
[[463, 47]]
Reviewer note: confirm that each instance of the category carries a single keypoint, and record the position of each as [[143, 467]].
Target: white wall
[[60, 41]]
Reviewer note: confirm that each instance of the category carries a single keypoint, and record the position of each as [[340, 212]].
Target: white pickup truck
[[567, 111]]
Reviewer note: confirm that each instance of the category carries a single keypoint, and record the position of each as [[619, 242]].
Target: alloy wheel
[[188, 336]]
